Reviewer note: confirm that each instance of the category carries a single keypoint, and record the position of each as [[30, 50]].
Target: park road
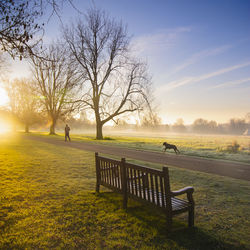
[[219, 167]]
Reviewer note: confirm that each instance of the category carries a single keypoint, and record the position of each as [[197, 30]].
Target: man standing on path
[[67, 129]]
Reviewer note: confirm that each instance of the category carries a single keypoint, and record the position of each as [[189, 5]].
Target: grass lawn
[[210, 146], [47, 200]]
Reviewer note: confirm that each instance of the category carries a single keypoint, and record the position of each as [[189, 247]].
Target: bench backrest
[[108, 172], [139, 182], [148, 184]]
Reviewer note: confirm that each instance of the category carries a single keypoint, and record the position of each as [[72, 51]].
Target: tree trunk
[[52, 128], [27, 128], [99, 135]]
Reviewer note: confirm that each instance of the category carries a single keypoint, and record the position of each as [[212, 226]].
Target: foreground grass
[[217, 147], [47, 200]]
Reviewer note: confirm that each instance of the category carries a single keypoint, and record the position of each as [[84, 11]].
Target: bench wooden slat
[[157, 190], [131, 181], [135, 181], [140, 183], [105, 159], [144, 186], [142, 168], [108, 172], [128, 185], [148, 193], [177, 203], [162, 196], [114, 169], [103, 170], [152, 197], [119, 177], [112, 174]]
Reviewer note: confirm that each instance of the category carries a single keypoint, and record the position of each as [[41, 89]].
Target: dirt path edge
[[219, 167]]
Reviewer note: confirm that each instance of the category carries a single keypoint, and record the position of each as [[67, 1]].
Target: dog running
[[171, 146]]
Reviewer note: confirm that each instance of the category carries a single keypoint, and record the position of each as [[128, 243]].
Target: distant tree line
[[236, 126]]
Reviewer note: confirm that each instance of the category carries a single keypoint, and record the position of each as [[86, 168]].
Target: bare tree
[[247, 117], [56, 80], [179, 126], [20, 26], [4, 66], [113, 81], [24, 105], [12, 93], [150, 120], [203, 126], [237, 126]]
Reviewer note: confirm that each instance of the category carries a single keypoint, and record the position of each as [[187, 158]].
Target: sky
[[198, 52]]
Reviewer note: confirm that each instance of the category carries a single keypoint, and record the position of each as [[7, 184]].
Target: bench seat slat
[[177, 204]]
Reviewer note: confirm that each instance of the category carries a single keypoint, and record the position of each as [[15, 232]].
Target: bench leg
[[97, 189], [125, 201], [169, 223], [191, 217]]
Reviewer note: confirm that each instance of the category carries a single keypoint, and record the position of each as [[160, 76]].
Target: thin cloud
[[231, 83], [178, 83], [163, 39], [191, 80], [199, 56]]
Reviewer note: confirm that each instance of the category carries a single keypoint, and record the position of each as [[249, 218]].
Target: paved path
[[224, 168]]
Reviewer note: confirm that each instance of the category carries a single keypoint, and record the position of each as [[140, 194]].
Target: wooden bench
[[145, 185]]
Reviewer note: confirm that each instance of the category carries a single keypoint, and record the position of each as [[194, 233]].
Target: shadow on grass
[[106, 138], [189, 238]]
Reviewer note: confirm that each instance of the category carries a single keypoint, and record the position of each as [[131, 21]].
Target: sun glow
[[3, 97], [5, 126]]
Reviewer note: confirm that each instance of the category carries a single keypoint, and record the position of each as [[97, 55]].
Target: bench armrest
[[187, 190], [184, 190]]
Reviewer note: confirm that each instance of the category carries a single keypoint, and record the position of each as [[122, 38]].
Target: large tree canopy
[[113, 81], [20, 24]]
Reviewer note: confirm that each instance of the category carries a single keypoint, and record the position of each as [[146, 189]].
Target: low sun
[[5, 125]]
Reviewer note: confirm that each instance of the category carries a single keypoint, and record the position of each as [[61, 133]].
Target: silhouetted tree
[[150, 120], [56, 79], [3, 64], [113, 81], [179, 126], [5, 117], [203, 126], [166, 127], [248, 118], [12, 93], [237, 126], [24, 105], [28, 103]]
